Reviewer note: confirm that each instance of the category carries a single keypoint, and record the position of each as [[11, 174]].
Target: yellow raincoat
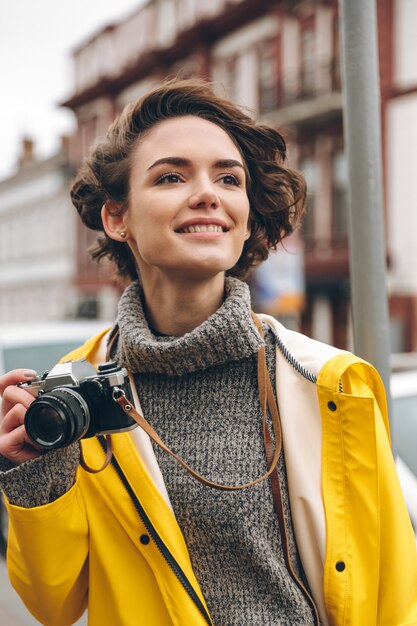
[[112, 543]]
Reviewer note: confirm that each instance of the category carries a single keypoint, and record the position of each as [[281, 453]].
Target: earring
[[247, 235], [122, 234]]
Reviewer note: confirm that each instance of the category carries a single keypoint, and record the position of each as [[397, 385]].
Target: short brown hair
[[276, 192]]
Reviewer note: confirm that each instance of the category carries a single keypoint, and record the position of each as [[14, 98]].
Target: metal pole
[[362, 127]]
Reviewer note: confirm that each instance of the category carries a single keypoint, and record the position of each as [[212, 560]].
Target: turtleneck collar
[[228, 335]]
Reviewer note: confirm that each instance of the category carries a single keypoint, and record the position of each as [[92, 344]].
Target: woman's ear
[[114, 221]]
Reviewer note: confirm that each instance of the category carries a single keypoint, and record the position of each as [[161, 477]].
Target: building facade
[[37, 240], [279, 58], [398, 46]]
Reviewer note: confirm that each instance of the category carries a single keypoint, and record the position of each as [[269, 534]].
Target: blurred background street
[[281, 60], [69, 69]]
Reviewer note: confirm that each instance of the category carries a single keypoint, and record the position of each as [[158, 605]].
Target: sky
[[36, 41]]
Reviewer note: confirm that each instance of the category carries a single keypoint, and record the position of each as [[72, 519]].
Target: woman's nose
[[204, 198]]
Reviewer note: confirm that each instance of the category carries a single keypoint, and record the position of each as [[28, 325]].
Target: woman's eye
[[230, 179], [170, 177]]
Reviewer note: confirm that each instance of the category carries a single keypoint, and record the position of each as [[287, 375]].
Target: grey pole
[[362, 127]]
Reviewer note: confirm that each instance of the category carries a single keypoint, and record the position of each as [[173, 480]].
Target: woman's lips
[[202, 228], [202, 224]]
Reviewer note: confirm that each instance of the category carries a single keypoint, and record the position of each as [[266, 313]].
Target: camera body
[[74, 401]]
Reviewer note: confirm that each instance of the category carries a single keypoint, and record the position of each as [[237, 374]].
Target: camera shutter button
[[110, 366]]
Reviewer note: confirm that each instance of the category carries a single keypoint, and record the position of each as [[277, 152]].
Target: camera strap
[[109, 454], [267, 400], [100, 356]]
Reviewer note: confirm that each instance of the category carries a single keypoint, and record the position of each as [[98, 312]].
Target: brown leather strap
[[113, 338], [276, 495], [109, 443], [266, 397], [109, 454], [277, 499]]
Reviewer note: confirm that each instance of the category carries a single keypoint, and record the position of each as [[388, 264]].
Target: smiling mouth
[[203, 228]]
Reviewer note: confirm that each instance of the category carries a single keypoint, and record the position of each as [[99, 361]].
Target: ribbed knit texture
[[42, 480], [200, 393], [197, 350]]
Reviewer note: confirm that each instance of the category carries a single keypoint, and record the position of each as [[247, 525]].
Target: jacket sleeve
[[48, 536], [48, 558], [398, 553], [370, 574]]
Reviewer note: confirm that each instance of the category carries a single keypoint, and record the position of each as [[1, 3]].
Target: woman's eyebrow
[[182, 162], [179, 161], [226, 163]]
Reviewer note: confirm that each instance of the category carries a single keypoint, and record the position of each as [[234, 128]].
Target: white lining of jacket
[[302, 440]]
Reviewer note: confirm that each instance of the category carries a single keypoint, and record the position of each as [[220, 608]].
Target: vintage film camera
[[74, 401]]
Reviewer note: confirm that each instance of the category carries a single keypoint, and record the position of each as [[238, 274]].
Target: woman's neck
[[176, 308]]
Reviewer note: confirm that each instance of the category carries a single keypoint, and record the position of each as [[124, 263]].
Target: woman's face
[[188, 208]]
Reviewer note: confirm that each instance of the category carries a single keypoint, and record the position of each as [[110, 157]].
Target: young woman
[[288, 519]]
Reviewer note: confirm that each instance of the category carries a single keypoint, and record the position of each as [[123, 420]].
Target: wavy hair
[[276, 192]]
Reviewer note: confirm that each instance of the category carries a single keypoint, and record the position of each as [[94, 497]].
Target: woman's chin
[[193, 268]]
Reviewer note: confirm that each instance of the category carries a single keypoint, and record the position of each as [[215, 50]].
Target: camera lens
[[57, 418], [49, 424]]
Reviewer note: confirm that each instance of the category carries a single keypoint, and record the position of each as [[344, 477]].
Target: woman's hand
[[15, 445]]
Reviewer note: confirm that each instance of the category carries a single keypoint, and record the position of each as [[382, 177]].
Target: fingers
[[15, 376], [13, 419], [12, 396], [16, 446]]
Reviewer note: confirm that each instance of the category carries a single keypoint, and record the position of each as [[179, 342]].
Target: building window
[[268, 76], [187, 13], [88, 134], [231, 69], [340, 194], [309, 170], [335, 66], [88, 307], [308, 69]]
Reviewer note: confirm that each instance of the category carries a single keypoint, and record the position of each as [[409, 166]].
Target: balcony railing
[[310, 83]]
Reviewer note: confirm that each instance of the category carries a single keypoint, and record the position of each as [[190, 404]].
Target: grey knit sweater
[[200, 393]]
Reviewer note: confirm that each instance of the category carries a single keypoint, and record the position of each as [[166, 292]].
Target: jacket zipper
[[291, 359], [166, 554], [294, 363]]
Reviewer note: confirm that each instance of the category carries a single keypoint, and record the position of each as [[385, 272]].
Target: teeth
[[203, 228]]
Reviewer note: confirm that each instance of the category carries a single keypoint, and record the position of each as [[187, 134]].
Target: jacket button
[[340, 566], [332, 406], [144, 539]]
